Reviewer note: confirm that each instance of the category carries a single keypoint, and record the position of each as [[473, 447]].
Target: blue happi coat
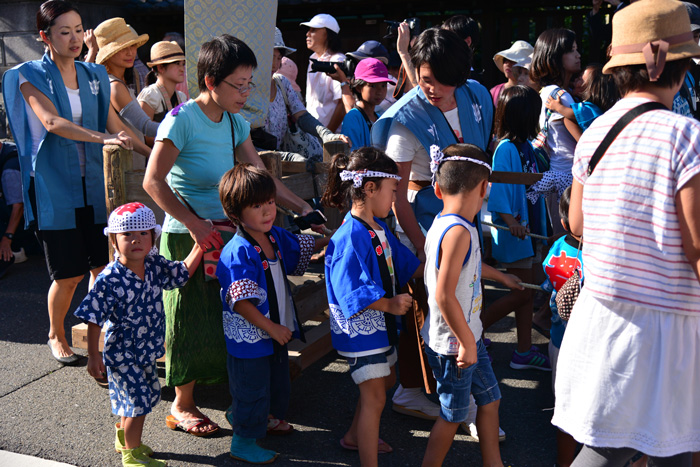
[[353, 282], [56, 167], [242, 277]]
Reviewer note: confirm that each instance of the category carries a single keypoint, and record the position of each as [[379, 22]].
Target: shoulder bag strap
[[233, 137], [280, 88], [617, 128]]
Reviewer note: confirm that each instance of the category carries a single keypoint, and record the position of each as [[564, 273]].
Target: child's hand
[[512, 282], [519, 231], [466, 356], [96, 367], [400, 304], [280, 333], [554, 103]]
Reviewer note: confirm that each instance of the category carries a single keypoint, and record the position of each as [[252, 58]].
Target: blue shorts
[[454, 384], [372, 366], [133, 389]]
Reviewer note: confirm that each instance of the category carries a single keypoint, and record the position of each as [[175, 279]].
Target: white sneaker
[[412, 402], [20, 256], [471, 429]]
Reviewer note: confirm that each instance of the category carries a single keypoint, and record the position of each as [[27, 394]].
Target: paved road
[[58, 413]]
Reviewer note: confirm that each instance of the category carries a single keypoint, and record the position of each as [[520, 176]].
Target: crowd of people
[[610, 229]]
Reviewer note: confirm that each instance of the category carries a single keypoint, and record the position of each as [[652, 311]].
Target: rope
[[489, 224]]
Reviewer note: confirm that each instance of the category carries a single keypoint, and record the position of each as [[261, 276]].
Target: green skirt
[[195, 346]]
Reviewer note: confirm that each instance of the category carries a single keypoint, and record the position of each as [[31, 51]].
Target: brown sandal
[[188, 424]]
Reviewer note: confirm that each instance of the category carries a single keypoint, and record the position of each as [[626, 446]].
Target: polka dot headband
[[437, 157], [132, 217], [357, 175]]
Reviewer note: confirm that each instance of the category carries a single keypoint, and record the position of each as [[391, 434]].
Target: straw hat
[[114, 35], [520, 53], [165, 52], [651, 32]]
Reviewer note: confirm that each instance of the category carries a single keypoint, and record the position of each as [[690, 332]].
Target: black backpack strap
[[617, 128]]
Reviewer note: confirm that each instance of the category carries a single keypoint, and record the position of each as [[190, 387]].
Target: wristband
[[8, 235]]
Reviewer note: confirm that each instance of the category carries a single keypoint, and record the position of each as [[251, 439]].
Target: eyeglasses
[[241, 89]]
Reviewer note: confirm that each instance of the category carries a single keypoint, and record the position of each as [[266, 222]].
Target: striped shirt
[[632, 242]]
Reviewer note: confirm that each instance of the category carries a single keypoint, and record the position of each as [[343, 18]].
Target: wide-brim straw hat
[[651, 33], [114, 35], [165, 52], [520, 53]]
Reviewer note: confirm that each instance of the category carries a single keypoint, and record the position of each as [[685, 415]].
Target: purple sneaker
[[532, 360]]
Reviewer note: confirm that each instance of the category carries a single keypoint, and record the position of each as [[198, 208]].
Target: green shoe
[[247, 450], [136, 458], [119, 441]]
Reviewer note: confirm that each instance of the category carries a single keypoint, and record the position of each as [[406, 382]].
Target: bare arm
[[509, 280], [688, 209], [251, 314], [91, 43], [573, 128], [119, 96], [337, 117], [402, 43], [576, 209], [115, 125], [245, 152], [162, 160], [404, 211], [147, 109], [12, 224], [556, 105], [48, 116], [347, 97], [95, 367], [193, 259]]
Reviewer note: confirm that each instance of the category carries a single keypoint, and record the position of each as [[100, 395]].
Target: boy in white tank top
[[452, 332]]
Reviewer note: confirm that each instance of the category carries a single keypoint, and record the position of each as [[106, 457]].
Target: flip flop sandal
[[102, 382], [273, 427], [382, 447], [188, 424]]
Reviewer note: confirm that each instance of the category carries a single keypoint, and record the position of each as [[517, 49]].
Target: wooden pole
[[116, 161]]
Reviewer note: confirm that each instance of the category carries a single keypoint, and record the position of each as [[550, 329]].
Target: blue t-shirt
[[206, 153], [510, 199], [562, 260], [585, 113]]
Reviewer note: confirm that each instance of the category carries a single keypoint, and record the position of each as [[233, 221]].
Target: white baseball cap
[[323, 20]]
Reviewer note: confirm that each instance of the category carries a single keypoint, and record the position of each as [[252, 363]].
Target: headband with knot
[[437, 157], [357, 175]]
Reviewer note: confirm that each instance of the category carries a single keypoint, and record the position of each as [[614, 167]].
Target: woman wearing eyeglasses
[[194, 147]]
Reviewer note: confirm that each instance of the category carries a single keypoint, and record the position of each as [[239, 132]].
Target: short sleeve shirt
[[206, 153]]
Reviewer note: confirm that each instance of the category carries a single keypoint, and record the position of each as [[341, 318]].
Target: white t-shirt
[[322, 92], [36, 129], [559, 141]]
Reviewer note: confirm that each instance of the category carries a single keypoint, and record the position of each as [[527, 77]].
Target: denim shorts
[[454, 384], [372, 366]]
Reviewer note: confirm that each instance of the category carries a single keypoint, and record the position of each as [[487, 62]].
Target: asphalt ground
[[54, 412]]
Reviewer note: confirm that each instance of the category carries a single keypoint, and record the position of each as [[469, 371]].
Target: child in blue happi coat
[[258, 311], [128, 298], [365, 268]]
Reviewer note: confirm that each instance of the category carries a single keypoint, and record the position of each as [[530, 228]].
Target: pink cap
[[289, 69], [372, 70]]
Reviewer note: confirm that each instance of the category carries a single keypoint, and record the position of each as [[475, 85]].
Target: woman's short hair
[[630, 78], [448, 56], [464, 27], [547, 59], [518, 114], [49, 11], [219, 57]]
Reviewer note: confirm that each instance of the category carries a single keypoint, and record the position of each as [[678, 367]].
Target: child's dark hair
[[340, 194], [464, 27], [631, 78], [518, 114], [220, 57], [564, 208], [152, 75], [113, 238], [600, 89], [242, 186], [356, 87], [547, 59], [462, 176]]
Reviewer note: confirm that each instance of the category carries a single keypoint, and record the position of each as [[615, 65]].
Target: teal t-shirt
[[206, 153]]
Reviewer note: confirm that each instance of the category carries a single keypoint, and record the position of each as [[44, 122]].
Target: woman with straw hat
[[513, 63], [167, 71], [629, 368], [117, 42], [60, 116]]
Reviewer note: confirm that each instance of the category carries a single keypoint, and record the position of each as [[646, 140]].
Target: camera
[[313, 218], [348, 66], [392, 29]]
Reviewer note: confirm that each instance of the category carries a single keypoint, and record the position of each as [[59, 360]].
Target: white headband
[[357, 175], [437, 157]]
